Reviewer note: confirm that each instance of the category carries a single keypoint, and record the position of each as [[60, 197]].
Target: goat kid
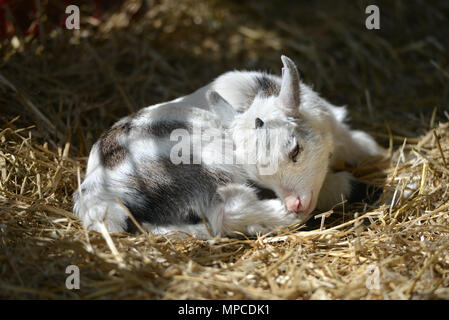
[[292, 136]]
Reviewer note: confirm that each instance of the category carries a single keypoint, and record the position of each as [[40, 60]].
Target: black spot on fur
[[261, 85], [266, 86], [193, 218], [165, 128], [167, 194], [264, 193], [111, 152]]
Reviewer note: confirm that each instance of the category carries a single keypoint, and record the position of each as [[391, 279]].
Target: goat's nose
[[293, 203]]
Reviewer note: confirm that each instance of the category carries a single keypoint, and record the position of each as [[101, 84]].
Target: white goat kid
[[300, 133], [315, 136], [134, 162]]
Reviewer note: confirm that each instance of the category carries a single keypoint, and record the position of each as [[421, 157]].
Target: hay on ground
[[59, 91]]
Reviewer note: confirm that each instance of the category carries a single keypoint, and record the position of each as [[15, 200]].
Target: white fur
[[329, 140]]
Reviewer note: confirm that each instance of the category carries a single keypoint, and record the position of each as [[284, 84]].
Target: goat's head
[[281, 146]]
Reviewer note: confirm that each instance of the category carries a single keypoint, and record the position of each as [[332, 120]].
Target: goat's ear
[[220, 107], [289, 94]]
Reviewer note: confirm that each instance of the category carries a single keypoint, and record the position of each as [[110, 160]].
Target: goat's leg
[[240, 210]]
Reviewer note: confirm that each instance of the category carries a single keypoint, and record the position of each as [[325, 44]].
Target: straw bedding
[[60, 90]]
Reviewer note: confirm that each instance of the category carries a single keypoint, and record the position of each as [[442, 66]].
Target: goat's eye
[[294, 153]]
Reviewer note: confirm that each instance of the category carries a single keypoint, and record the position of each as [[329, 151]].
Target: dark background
[[134, 53]]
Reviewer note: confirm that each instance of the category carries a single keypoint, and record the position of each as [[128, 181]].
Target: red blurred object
[[4, 5], [97, 11], [25, 15]]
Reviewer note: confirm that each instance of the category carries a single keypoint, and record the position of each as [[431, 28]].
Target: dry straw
[[70, 89]]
